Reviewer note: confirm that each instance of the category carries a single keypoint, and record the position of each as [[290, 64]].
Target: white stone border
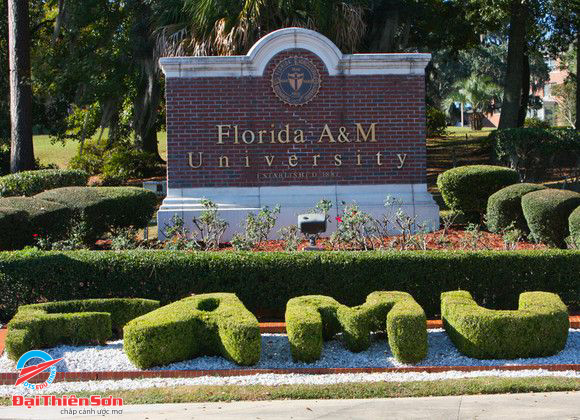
[[254, 63]]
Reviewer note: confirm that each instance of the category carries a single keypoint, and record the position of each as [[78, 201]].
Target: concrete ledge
[[234, 203], [254, 63]]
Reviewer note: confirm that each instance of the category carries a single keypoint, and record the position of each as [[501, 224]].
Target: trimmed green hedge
[[574, 223], [312, 319], [467, 188], [15, 228], [547, 213], [209, 324], [106, 207], [538, 328], [504, 207], [71, 322], [43, 217], [268, 280], [33, 182]]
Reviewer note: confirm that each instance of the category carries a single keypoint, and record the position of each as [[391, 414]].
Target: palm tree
[[478, 92], [214, 27]]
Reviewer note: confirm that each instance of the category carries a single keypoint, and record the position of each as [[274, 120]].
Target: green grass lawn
[[475, 386], [50, 152]]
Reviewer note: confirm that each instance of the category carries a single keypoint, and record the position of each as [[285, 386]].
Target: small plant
[[418, 240], [124, 238], [323, 206], [210, 228], [291, 236], [77, 238], [178, 235], [573, 242], [355, 228], [257, 228], [512, 236], [472, 236]]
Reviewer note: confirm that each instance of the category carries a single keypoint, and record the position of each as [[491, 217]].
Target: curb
[[10, 378]]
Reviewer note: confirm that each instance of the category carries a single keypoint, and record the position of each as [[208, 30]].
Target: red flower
[[338, 219], [35, 235]]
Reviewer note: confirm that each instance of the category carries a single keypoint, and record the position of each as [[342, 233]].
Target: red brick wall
[[196, 105]]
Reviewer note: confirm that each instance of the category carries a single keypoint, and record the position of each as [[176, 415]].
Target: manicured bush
[[71, 322], [14, 228], [209, 324], [574, 224], [45, 218], [106, 207], [547, 213], [538, 328], [504, 207], [266, 281], [312, 319], [29, 183], [467, 188], [533, 150], [128, 162], [436, 123]]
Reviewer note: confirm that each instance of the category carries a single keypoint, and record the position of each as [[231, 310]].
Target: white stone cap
[[254, 63]]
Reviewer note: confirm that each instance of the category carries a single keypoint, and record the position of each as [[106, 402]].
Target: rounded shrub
[[45, 218], [538, 328], [574, 225], [14, 228], [106, 207], [547, 213], [504, 207], [467, 188], [29, 183]]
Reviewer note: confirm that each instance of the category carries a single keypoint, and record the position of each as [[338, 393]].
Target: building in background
[[547, 106]]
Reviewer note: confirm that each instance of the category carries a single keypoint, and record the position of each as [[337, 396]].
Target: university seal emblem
[[295, 80]]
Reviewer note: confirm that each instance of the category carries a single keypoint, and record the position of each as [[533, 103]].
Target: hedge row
[[33, 182], [106, 207], [312, 319], [52, 212], [42, 217], [71, 322], [538, 328], [209, 324], [267, 281]]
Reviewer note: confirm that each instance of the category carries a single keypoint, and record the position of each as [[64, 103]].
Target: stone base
[[235, 203]]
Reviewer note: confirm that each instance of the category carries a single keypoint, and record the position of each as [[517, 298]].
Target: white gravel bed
[[276, 355], [278, 379]]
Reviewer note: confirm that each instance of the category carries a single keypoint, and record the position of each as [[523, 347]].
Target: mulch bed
[[452, 240]]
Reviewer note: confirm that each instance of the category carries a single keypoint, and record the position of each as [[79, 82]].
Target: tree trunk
[[577, 78], [21, 150], [148, 94], [525, 99], [512, 92], [145, 108]]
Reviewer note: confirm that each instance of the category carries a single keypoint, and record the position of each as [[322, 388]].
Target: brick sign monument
[[292, 122]]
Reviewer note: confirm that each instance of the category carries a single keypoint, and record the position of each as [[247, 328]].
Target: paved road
[[557, 405]]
